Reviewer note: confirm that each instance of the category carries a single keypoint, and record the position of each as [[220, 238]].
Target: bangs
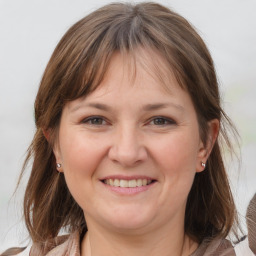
[[88, 76], [87, 48], [160, 44]]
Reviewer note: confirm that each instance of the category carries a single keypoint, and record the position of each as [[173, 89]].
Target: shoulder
[[62, 245], [18, 251], [223, 247], [216, 247]]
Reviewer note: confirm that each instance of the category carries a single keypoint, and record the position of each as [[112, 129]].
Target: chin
[[128, 220]]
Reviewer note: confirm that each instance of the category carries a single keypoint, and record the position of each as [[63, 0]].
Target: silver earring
[[58, 165], [203, 164]]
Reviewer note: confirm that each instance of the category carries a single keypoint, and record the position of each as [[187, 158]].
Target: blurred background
[[29, 32]]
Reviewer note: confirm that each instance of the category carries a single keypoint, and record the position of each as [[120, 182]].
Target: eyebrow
[[150, 107], [93, 105], [147, 107]]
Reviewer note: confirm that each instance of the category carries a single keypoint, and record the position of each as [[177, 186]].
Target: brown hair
[[13, 251], [251, 223], [76, 68]]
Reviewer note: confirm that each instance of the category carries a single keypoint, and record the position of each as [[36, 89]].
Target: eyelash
[[89, 120], [167, 121], [163, 121]]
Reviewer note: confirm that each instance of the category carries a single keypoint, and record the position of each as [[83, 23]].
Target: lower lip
[[128, 191]]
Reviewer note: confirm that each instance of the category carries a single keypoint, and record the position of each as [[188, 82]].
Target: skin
[[129, 127]]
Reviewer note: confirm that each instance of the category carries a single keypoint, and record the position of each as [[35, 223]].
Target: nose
[[127, 147]]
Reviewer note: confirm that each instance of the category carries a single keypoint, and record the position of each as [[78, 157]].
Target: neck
[[165, 242]]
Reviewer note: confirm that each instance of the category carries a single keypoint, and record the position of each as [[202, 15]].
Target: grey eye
[[161, 121], [96, 121]]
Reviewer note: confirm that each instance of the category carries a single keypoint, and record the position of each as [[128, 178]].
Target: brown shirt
[[70, 246]]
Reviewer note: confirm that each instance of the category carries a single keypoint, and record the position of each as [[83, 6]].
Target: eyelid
[[90, 118], [170, 121], [167, 120]]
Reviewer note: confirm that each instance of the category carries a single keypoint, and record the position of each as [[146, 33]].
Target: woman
[[126, 156]]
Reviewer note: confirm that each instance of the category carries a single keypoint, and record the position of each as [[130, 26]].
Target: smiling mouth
[[128, 183]]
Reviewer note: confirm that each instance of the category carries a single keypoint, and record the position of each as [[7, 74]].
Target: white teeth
[[139, 183], [132, 183], [127, 183], [124, 183], [116, 183]]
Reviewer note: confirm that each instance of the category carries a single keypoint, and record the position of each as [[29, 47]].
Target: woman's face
[[130, 150]]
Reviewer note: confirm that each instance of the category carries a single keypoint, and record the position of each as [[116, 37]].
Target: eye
[[162, 121], [94, 120]]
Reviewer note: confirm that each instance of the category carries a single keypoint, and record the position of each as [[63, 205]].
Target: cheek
[[177, 159], [80, 155], [177, 153]]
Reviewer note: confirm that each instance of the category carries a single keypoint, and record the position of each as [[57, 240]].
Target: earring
[[203, 164], [58, 165]]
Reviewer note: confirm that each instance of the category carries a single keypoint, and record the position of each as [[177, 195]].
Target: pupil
[[97, 121], [159, 121]]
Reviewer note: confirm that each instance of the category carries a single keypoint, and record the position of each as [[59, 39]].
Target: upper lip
[[125, 177]]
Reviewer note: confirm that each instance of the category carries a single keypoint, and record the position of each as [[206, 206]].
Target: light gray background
[[29, 31]]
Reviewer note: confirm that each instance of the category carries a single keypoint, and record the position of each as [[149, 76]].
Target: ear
[[56, 150], [46, 133], [206, 148]]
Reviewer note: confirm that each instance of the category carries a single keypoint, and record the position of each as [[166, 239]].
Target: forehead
[[140, 67], [133, 82]]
